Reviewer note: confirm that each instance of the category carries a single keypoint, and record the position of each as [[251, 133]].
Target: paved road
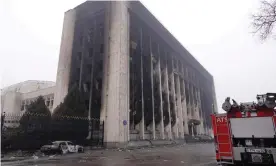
[[189, 155]]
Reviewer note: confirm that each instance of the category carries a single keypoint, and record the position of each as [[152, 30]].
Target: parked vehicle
[[246, 133], [62, 147]]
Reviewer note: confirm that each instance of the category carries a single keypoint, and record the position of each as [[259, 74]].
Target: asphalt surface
[[189, 155]]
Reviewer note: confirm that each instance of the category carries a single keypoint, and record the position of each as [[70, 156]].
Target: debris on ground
[[82, 161], [52, 156], [19, 153]]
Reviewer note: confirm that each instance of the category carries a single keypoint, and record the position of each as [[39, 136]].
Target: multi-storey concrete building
[[137, 77], [15, 98]]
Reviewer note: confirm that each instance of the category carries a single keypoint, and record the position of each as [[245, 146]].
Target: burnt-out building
[[136, 76]]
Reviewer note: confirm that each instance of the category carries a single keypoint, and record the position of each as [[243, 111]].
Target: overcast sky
[[216, 32]]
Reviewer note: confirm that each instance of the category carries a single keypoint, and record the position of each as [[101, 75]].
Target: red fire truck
[[246, 133]]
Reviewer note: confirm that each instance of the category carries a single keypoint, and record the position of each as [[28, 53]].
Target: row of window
[[49, 101], [91, 52]]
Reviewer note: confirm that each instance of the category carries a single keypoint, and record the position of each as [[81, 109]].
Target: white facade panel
[[260, 127]]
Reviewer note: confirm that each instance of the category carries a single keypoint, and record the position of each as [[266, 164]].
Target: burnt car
[[62, 147]]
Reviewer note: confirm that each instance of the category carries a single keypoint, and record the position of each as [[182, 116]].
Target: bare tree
[[264, 21]]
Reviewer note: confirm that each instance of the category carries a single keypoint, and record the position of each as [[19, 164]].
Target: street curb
[[137, 144], [13, 160], [40, 159]]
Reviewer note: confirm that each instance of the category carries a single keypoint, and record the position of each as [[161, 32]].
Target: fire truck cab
[[246, 133]]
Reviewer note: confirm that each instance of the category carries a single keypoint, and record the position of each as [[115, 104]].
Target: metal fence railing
[[31, 131]]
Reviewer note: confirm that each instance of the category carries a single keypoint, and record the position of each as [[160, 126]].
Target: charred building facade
[[137, 77]]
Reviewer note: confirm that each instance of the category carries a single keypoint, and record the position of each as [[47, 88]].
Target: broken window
[[79, 55], [89, 68], [87, 104], [133, 44], [85, 87], [88, 85], [52, 102], [101, 48], [90, 34], [78, 71], [48, 103], [22, 107], [90, 52], [81, 40], [101, 29]]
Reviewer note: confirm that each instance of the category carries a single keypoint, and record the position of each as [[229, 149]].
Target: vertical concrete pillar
[[169, 126], [201, 113], [106, 62], [117, 111], [152, 91], [161, 125], [192, 100], [179, 108], [65, 56], [127, 55], [91, 84], [214, 96], [197, 103], [189, 103], [142, 123], [184, 106], [175, 127], [187, 93], [83, 54], [192, 129]]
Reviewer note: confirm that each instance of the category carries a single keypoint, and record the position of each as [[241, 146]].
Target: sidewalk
[[27, 156], [188, 154]]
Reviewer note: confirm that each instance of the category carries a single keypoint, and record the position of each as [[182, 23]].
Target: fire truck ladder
[[221, 146]]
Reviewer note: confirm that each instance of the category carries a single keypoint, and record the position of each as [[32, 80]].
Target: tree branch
[[264, 21]]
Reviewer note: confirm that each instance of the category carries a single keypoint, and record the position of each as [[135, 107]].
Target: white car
[[62, 147]]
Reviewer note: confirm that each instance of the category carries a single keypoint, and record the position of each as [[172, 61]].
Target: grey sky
[[216, 32]]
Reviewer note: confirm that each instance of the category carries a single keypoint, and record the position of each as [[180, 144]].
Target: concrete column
[[192, 100], [106, 62], [206, 130], [184, 107], [83, 52], [142, 123], [179, 109], [91, 84], [197, 103], [169, 126], [161, 125], [175, 127], [201, 113], [214, 97], [189, 103], [192, 128], [117, 111], [152, 93], [187, 93], [65, 54]]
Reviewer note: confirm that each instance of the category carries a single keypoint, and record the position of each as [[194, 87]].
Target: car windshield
[[55, 143], [69, 143]]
